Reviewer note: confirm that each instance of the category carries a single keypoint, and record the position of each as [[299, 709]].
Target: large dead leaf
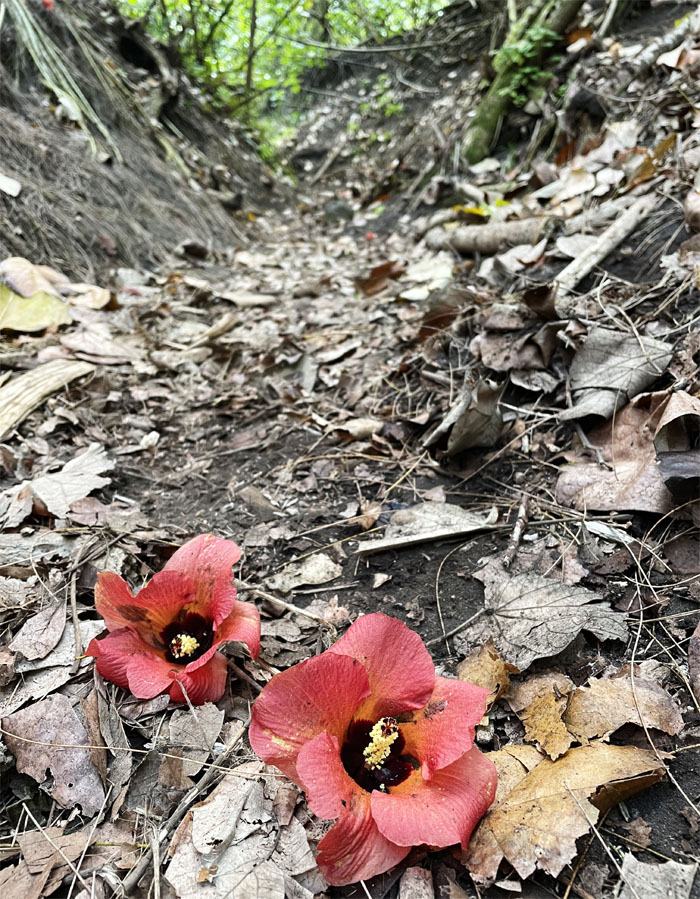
[[607, 703], [610, 369], [73, 779], [532, 617], [425, 522], [537, 823], [485, 668]]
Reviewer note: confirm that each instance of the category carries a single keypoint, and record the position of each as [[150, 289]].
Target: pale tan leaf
[[485, 668]]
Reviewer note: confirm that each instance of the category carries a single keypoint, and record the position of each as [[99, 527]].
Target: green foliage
[[213, 40], [522, 60]]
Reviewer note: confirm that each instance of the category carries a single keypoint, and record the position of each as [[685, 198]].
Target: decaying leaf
[[532, 617], [632, 481], [610, 369], [316, 569], [40, 633], [485, 668], [607, 703], [425, 522], [54, 493], [35, 735], [536, 824], [192, 734], [474, 420], [235, 837], [672, 880], [539, 702]]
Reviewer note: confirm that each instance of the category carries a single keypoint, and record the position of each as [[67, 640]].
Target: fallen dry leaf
[[73, 780], [532, 617], [539, 702], [53, 494], [537, 823], [607, 703], [316, 569], [425, 522], [633, 479], [232, 839], [670, 879], [610, 369], [485, 668], [40, 633]]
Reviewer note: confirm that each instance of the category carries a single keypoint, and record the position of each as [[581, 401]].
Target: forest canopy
[[241, 52]]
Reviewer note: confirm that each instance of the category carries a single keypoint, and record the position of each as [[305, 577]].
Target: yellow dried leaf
[[537, 823], [485, 668]]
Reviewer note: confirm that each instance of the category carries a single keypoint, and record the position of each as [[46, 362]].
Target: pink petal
[[205, 684], [328, 785], [443, 730], [320, 694], [114, 652], [442, 811], [243, 625], [150, 610], [149, 675], [208, 561], [401, 671], [354, 849]]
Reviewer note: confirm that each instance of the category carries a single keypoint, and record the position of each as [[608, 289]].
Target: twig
[[520, 525], [243, 675], [281, 602], [457, 629]]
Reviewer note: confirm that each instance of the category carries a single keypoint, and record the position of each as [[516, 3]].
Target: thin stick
[[520, 525]]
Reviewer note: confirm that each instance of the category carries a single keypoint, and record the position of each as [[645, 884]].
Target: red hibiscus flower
[[379, 742], [165, 637]]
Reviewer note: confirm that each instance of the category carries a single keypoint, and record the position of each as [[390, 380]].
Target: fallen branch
[[487, 240], [577, 270]]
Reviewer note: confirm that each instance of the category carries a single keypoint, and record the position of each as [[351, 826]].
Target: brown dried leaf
[[540, 703], [40, 633], [607, 703], [485, 668], [52, 724], [536, 825]]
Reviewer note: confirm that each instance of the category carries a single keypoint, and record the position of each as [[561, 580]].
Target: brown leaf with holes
[[607, 703], [485, 668], [47, 740], [540, 703], [536, 824]]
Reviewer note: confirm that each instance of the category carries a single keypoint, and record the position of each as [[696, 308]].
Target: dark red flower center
[[187, 639], [372, 754]]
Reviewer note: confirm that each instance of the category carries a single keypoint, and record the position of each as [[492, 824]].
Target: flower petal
[[354, 849], [320, 694], [327, 784], [205, 684], [208, 561], [441, 811], [443, 730], [243, 624], [150, 610], [114, 652], [401, 671], [149, 675]]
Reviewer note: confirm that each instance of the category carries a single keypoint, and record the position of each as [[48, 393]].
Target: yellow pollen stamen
[[384, 733], [183, 645]]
